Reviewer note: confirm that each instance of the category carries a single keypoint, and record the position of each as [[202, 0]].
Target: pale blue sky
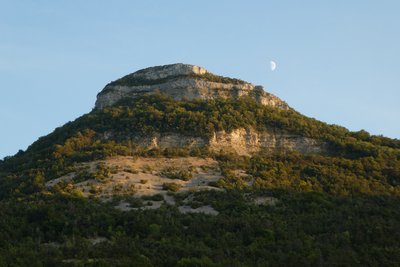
[[338, 61]]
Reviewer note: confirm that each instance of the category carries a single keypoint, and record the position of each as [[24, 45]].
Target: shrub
[[172, 187], [213, 184], [173, 173], [83, 176], [157, 197], [130, 170]]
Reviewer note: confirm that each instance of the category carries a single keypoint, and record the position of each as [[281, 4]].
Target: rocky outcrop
[[248, 141], [183, 82], [242, 141], [169, 140], [162, 72]]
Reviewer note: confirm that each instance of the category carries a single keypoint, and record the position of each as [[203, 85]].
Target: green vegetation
[[303, 229], [172, 187], [130, 80], [337, 208], [83, 176], [157, 197], [131, 170], [174, 173], [313, 173]]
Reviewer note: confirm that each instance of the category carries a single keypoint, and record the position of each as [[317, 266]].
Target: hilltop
[[183, 82]]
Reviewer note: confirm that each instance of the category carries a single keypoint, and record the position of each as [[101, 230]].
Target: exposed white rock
[[267, 201], [242, 141], [183, 82], [203, 209], [247, 141], [161, 72]]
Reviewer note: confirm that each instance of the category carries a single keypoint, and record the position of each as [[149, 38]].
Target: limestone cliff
[[242, 141], [182, 81]]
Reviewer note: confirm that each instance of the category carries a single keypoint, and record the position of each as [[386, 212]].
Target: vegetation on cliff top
[[130, 80]]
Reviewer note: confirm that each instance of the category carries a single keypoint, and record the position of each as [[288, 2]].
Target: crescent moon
[[272, 65]]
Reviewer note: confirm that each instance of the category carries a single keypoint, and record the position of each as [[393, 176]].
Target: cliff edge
[[182, 82]]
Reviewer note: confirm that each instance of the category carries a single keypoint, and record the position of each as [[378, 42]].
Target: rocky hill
[[176, 166], [189, 82], [183, 82]]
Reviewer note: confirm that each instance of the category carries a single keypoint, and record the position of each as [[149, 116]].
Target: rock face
[[248, 141], [242, 141], [182, 81], [161, 72]]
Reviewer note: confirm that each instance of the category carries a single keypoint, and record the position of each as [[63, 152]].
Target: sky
[[337, 61]]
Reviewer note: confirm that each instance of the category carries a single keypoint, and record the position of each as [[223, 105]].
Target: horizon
[[338, 63]]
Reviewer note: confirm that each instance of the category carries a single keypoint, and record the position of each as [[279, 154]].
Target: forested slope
[[339, 207]]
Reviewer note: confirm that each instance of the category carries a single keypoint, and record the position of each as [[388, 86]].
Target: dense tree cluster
[[302, 229], [313, 173]]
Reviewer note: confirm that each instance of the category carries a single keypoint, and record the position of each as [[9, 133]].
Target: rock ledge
[[183, 82]]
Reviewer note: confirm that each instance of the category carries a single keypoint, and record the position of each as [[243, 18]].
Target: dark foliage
[[307, 229]]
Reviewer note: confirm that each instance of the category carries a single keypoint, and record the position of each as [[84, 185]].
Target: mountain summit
[[183, 82]]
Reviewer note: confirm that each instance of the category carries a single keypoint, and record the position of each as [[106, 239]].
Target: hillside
[[176, 166]]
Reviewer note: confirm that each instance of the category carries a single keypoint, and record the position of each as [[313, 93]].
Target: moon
[[272, 65]]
